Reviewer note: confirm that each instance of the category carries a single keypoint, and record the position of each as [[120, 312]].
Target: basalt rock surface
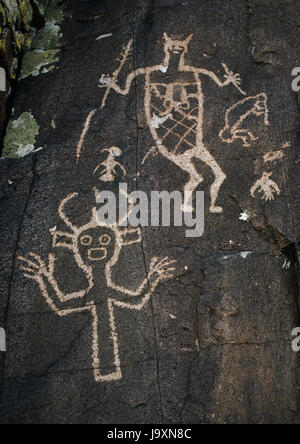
[[91, 339]]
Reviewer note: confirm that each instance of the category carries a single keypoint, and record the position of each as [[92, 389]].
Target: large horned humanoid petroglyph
[[175, 111], [96, 247]]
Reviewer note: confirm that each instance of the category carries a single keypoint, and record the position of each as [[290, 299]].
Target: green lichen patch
[[20, 136], [39, 62], [45, 46], [12, 11], [48, 37], [26, 13]]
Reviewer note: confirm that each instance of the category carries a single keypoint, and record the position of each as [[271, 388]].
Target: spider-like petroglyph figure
[[266, 186]]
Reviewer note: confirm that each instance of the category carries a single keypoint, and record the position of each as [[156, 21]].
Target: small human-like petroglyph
[[175, 112], [266, 186], [237, 116], [273, 156], [108, 168], [96, 249]]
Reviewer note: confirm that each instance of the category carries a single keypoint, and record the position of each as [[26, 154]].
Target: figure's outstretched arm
[[230, 77], [110, 82], [160, 270], [36, 269], [121, 168]]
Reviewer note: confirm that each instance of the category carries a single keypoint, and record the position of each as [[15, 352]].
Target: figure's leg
[[205, 156], [106, 361], [191, 185]]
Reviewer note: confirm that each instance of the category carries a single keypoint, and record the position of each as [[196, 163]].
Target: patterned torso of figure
[[175, 114]]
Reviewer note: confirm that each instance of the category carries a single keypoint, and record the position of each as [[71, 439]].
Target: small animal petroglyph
[[273, 156], [110, 165], [237, 116], [96, 248], [266, 186]]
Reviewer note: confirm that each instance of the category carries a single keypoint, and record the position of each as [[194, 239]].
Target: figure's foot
[[116, 376], [216, 210]]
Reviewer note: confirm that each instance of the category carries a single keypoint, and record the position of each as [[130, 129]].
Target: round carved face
[[96, 245]]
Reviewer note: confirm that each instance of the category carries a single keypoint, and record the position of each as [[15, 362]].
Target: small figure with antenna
[[109, 166]]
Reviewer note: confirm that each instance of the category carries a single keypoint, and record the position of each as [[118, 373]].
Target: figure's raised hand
[[162, 268], [233, 78], [33, 267]]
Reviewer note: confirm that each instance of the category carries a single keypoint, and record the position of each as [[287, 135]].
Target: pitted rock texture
[[213, 344]]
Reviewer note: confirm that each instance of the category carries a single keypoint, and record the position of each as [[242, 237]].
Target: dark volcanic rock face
[[110, 325]]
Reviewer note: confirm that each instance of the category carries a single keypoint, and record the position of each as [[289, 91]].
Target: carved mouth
[[97, 254]]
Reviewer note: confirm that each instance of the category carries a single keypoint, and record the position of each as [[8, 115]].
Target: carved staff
[[123, 58]]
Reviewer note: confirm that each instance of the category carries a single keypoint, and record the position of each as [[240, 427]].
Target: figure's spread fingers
[[28, 262], [168, 276], [162, 261], [37, 258], [28, 270], [167, 264], [154, 261], [29, 276]]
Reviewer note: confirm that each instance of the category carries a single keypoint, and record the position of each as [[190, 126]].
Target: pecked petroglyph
[[108, 168], [273, 156], [236, 119], [86, 127], [96, 248], [175, 112], [266, 186]]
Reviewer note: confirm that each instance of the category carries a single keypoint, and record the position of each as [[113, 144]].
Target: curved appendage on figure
[[36, 269], [160, 270], [230, 77]]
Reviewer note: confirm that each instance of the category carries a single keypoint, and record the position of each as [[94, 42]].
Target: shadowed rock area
[[114, 324]]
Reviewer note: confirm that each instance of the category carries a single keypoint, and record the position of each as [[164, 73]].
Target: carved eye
[[86, 240], [105, 240]]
